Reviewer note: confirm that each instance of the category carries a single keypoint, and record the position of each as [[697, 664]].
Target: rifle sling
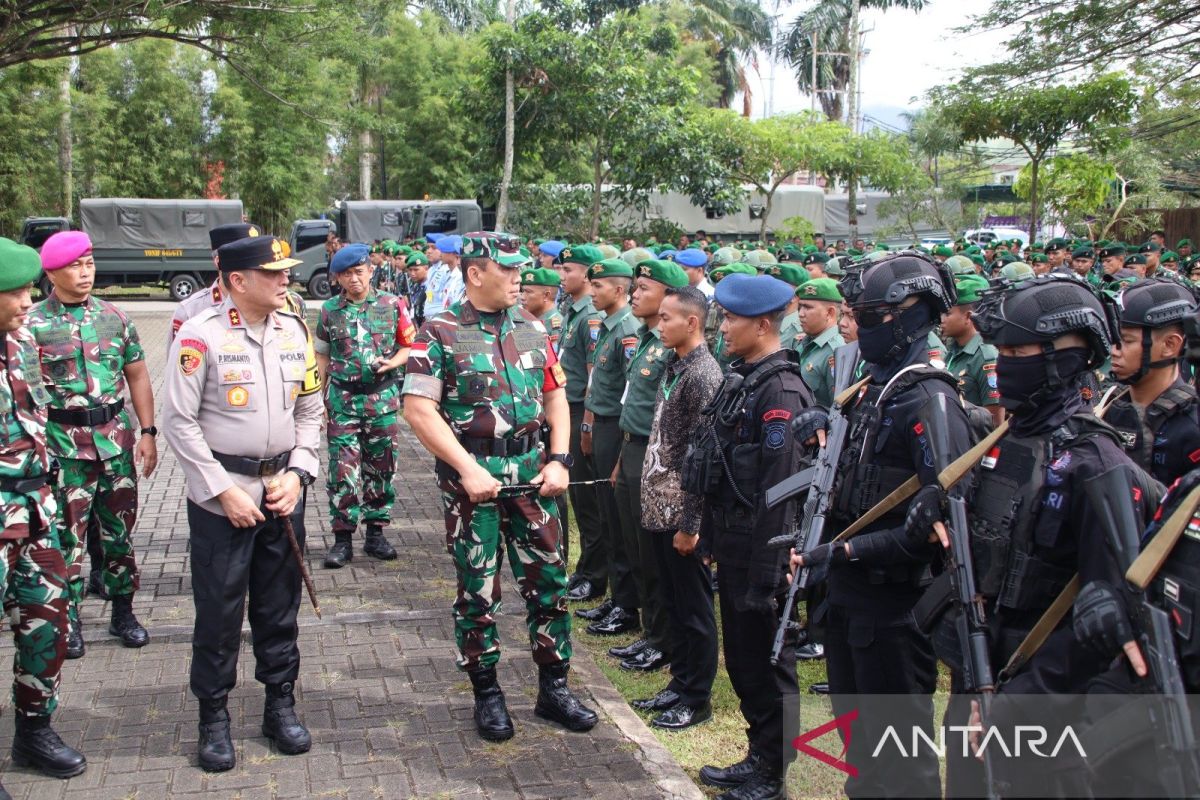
[[1150, 560], [1041, 630]]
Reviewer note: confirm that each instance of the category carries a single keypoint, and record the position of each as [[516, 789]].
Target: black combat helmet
[[1150, 304], [1041, 309]]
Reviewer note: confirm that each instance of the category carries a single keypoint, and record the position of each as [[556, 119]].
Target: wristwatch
[[562, 458], [585, 427], [153, 431], [306, 479]]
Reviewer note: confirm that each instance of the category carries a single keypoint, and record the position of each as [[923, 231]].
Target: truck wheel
[[318, 286], [184, 286]]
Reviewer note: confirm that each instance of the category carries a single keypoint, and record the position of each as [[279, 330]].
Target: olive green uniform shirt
[[580, 331], [974, 365], [610, 362], [642, 380], [816, 363]]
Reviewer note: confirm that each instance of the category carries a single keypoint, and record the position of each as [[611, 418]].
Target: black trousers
[[685, 587], [585, 504], [606, 448], [768, 695], [874, 654], [228, 562], [637, 545]]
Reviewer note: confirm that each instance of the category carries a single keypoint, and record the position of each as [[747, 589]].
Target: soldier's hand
[[479, 485], [239, 508], [553, 479], [585, 443], [146, 454], [685, 543], [283, 493]]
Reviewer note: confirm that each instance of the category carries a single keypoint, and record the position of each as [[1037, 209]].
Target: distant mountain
[[886, 116]]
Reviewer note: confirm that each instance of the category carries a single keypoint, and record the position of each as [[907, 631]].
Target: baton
[[533, 487], [290, 531]]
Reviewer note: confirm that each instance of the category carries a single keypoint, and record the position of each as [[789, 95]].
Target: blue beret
[[691, 258], [753, 295], [433, 237], [450, 244], [349, 256], [666, 255], [552, 247]]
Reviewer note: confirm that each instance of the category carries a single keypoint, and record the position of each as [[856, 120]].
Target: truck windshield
[[36, 233]]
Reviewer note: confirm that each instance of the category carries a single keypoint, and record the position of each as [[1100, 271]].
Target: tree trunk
[[852, 116], [597, 189], [1033, 199], [65, 151], [364, 164], [766, 217], [510, 129]]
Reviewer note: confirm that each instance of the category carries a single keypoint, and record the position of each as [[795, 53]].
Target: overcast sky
[[907, 54]]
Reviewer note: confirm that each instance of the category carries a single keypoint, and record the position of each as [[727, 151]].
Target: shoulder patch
[[777, 413], [775, 435], [190, 359]]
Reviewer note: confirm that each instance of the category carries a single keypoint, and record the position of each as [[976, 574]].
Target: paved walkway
[[389, 712]]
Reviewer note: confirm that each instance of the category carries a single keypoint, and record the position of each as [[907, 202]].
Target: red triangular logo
[[840, 724]]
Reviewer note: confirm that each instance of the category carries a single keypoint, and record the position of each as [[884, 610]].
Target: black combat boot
[[75, 646], [733, 775], [215, 747], [342, 552], [491, 715], [556, 703], [35, 744], [763, 784], [96, 584], [126, 625], [376, 546], [280, 723]]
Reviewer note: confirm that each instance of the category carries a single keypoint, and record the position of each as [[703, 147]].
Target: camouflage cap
[[582, 254], [960, 265], [796, 276], [665, 272], [635, 256], [611, 268], [539, 277], [823, 289], [834, 267], [759, 258], [725, 256], [969, 288], [736, 268], [481, 244], [608, 251], [20, 265], [1016, 272]]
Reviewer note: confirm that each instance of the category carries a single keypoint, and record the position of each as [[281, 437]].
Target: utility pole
[[852, 116], [510, 129], [65, 135], [383, 193]]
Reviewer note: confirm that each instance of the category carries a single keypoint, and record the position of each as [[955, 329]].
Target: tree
[[731, 31], [1039, 119], [828, 24]]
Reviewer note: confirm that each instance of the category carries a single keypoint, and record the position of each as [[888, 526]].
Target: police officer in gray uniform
[[242, 412]]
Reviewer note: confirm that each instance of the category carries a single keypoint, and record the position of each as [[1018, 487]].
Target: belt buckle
[[268, 468], [625, 435]]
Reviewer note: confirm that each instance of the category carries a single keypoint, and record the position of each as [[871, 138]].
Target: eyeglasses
[[875, 315]]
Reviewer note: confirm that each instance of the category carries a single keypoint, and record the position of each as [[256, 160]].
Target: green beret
[[611, 268], [759, 258], [809, 248], [726, 255], [417, 260], [970, 287], [537, 277], [1038, 246], [961, 265], [816, 258], [19, 265], [523, 250], [665, 272], [1137, 259], [1169, 256], [389, 247], [943, 250], [1082, 252], [1149, 247], [1056, 244], [1184, 243], [1016, 272], [404, 250], [976, 258], [514, 261], [972, 250], [824, 289], [421, 243], [881, 248], [736, 268], [584, 254], [854, 252], [1037, 258], [538, 242], [796, 276], [635, 256]]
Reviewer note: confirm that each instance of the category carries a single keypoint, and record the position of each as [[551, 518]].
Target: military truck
[[145, 242]]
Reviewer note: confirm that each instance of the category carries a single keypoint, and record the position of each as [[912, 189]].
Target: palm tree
[[828, 23], [734, 29]]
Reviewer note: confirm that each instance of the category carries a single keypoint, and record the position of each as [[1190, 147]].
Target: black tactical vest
[[1138, 433]]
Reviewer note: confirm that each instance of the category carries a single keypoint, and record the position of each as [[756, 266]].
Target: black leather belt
[[255, 467], [367, 387], [606, 419], [517, 446], [635, 438], [24, 485], [89, 417]]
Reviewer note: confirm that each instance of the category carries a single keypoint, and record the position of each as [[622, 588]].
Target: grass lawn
[[722, 740]]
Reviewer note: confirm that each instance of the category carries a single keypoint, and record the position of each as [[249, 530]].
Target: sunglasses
[[873, 316]]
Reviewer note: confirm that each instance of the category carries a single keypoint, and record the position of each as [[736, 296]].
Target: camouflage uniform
[[488, 373], [33, 574], [553, 320], [84, 352], [362, 407]]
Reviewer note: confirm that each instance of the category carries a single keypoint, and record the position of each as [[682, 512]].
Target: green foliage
[[1076, 185], [796, 228], [29, 175]]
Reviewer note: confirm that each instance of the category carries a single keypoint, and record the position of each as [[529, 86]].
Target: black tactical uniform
[[744, 447], [872, 642], [1164, 437], [1032, 525]]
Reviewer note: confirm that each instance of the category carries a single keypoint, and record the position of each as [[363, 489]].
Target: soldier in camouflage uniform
[[362, 340], [90, 352], [33, 575], [481, 382]]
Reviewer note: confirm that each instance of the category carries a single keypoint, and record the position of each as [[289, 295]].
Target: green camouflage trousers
[[477, 535], [361, 446], [107, 489], [33, 579]]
